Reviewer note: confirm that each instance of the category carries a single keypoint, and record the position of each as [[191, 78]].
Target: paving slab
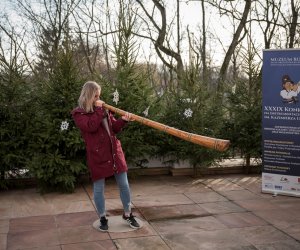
[[245, 219], [188, 225], [289, 203], [293, 230], [223, 184], [76, 219], [205, 197], [257, 235], [32, 223], [219, 212], [3, 241], [31, 239], [144, 243], [171, 212], [161, 200], [5, 211], [4, 226], [257, 204], [80, 234], [145, 231], [95, 245], [279, 218], [235, 195], [283, 245], [221, 207], [206, 240]]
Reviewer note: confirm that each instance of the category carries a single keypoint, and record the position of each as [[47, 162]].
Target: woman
[[105, 156]]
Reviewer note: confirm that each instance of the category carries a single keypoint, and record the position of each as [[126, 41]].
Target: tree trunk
[[293, 24], [247, 166], [159, 42], [203, 50], [234, 42]]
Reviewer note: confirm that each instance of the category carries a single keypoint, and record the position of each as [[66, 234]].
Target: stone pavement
[[225, 212]]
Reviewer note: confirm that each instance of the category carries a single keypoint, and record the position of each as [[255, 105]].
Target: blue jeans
[[123, 185]]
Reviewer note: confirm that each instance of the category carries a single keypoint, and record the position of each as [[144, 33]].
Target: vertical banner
[[281, 122]]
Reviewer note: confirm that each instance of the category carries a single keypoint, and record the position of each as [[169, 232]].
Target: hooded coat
[[104, 152]]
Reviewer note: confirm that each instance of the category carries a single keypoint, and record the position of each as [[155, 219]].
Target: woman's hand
[[98, 103], [127, 117]]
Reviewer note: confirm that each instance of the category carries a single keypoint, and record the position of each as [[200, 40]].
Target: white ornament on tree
[[64, 125], [188, 113], [116, 97], [146, 111], [233, 89]]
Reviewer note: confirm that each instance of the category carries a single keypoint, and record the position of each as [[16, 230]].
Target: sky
[[190, 16]]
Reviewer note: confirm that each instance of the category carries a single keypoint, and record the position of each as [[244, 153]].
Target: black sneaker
[[103, 224], [131, 221]]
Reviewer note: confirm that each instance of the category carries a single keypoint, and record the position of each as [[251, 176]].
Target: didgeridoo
[[209, 142]]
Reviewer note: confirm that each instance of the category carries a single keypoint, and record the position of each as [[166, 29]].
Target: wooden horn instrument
[[209, 142]]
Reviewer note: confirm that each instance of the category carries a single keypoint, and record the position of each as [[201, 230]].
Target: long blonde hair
[[87, 95]]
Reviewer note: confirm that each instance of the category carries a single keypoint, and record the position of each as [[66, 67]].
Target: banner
[[281, 122]]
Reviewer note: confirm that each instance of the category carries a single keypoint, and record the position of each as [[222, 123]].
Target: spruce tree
[[193, 108], [243, 123], [135, 93], [15, 114], [57, 149]]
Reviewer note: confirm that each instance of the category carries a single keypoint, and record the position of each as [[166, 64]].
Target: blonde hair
[[87, 95]]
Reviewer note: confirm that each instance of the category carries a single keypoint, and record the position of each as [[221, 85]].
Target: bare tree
[[266, 15], [235, 39], [87, 31], [17, 43], [50, 26], [178, 26], [203, 51], [278, 21], [295, 7], [203, 41], [99, 26], [161, 44]]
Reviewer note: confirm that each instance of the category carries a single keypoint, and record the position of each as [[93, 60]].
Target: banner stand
[[281, 122]]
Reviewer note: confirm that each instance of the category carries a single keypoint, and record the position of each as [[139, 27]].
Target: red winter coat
[[104, 152]]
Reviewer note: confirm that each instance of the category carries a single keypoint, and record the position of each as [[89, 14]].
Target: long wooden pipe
[[209, 142]]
